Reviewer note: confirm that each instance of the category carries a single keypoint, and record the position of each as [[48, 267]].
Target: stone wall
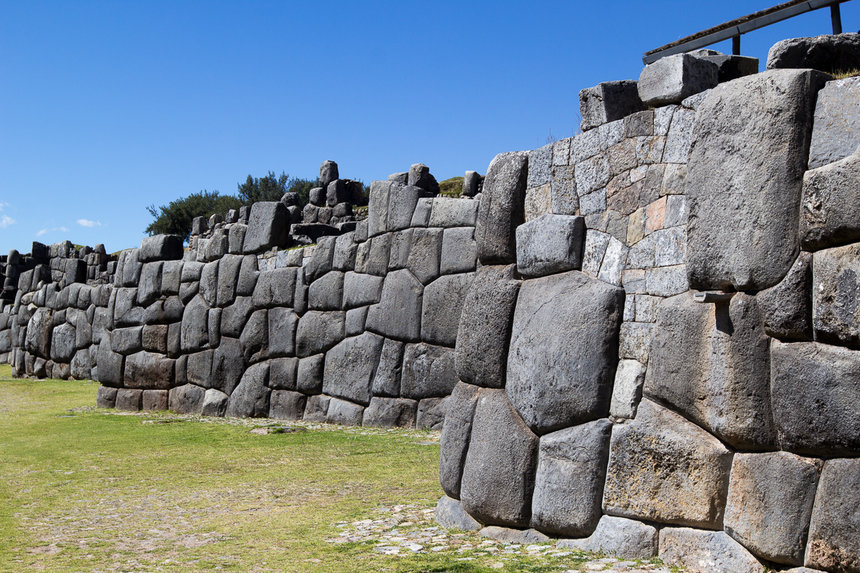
[[644, 339]]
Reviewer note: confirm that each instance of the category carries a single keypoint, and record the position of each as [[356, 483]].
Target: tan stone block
[[655, 215], [538, 201]]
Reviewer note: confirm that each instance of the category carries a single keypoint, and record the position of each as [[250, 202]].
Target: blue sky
[[107, 107]]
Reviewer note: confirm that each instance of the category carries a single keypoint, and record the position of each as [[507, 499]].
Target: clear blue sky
[[107, 107]]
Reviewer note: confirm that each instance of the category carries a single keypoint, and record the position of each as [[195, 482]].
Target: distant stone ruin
[[644, 339]]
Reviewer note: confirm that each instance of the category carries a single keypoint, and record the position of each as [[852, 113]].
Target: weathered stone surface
[[109, 364], [214, 403], [154, 400], [377, 208], [255, 337], [250, 399], [39, 329], [343, 258], [828, 53], [705, 551], [360, 289], [499, 472], [309, 377], [402, 200], [663, 468], [106, 397], [618, 536], [786, 308], [431, 413], [149, 287], [186, 399], [425, 254], [627, 389], [398, 314], [126, 340], [450, 514], [282, 373], [710, 362], [744, 179], [419, 176], [390, 413], [770, 503], [275, 288], [386, 380], [209, 283], [375, 260], [814, 394], [459, 250], [673, 78], [195, 325], [607, 102], [328, 172], [268, 226], [453, 212], [234, 317], [510, 535], [160, 248], [318, 331], [836, 295], [558, 381], [326, 293], [248, 274], [442, 305], [731, 67], [350, 367], [356, 318], [63, 344], [485, 327], [287, 405], [829, 210], [148, 370], [128, 399], [836, 129], [282, 331], [550, 244], [228, 275], [472, 182], [501, 208], [427, 371], [834, 534], [569, 482], [343, 412]]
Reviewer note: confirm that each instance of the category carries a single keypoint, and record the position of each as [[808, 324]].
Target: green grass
[[90, 489], [452, 187], [841, 75]]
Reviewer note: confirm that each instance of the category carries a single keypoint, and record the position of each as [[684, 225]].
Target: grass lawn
[[85, 489]]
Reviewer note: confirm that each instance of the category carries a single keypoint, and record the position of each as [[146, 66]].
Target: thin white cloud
[[41, 232], [88, 223], [63, 229], [3, 205], [6, 220]]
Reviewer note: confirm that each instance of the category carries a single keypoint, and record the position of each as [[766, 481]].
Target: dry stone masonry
[[644, 340]]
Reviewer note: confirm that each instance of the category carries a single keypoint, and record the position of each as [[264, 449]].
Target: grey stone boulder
[[282, 373], [425, 254], [356, 318], [160, 248], [459, 250], [321, 259], [390, 413], [744, 179], [282, 331], [209, 283], [666, 469], [309, 376], [386, 379], [627, 389], [171, 277], [236, 238], [39, 329], [186, 399], [337, 192], [569, 481], [234, 317], [106, 397], [442, 305], [625, 538], [377, 208], [814, 397], [836, 128], [214, 403], [148, 370], [350, 367], [63, 342], [149, 287], [343, 258], [402, 200], [834, 534], [558, 381], [328, 172], [705, 551], [499, 471], [828, 53], [109, 364], [255, 337], [453, 212], [419, 176], [154, 400], [228, 364], [287, 405], [360, 289], [428, 371], [431, 413], [786, 308], [228, 275], [451, 515], [275, 288], [250, 399], [472, 182], [326, 293], [502, 208], [268, 226], [730, 67], [510, 535], [672, 79], [608, 102], [770, 503], [550, 244], [126, 340], [710, 362], [128, 399], [398, 314], [484, 331], [829, 213], [344, 412]]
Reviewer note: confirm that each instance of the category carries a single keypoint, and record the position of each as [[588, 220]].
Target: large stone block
[[282, 331], [672, 79], [255, 337], [770, 504], [569, 484], [425, 254], [705, 551], [128, 399], [214, 402], [607, 102], [195, 325], [459, 250], [450, 514], [234, 317], [275, 288], [228, 364], [502, 208], [834, 534], [63, 343], [148, 370], [350, 367], [710, 362], [326, 293], [836, 130], [109, 364], [386, 380], [149, 287], [126, 340], [343, 412], [663, 468], [557, 381], [320, 260], [550, 244], [836, 295], [428, 371], [452, 212], [250, 399], [484, 332], [618, 536], [402, 200], [377, 208], [268, 226], [744, 179], [815, 397], [828, 53], [160, 248], [786, 308], [431, 413], [442, 305], [39, 329], [830, 215], [499, 472], [309, 377], [390, 413], [360, 289], [287, 405], [186, 399], [228, 276], [318, 331], [398, 314]]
